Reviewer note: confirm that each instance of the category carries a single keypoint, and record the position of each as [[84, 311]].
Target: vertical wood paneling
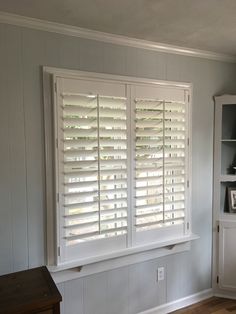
[[161, 66], [173, 67], [118, 291], [145, 291], [114, 59], [146, 63], [61, 288], [69, 52], [91, 55], [6, 256], [33, 58], [95, 294], [131, 61], [16, 140], [73, 297], [52, 49], [178, 271], [143, 63]]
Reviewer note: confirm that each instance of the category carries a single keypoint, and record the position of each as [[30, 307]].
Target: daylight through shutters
[[95, 167], [160, 163]]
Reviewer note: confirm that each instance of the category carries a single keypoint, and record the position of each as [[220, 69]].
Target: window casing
[[121, 165]]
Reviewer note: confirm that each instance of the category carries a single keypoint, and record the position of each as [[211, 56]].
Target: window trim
[[49, 76], [169, 245]]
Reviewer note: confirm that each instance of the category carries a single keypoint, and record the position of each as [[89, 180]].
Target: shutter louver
[[159, 163], [94, 167]]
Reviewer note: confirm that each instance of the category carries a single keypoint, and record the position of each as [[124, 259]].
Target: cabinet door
[[227, 255]]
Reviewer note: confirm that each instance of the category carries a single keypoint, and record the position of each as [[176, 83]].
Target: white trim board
[[98, 267], [180, 303], [23, 21], [60, 72], [168, 246]]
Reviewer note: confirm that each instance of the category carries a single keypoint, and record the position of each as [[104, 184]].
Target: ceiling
[[200, 24]]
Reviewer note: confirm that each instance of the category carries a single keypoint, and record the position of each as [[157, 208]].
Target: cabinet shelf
[[228, 156], [227, 217], [228, 121], [228, 140], [228, 178]]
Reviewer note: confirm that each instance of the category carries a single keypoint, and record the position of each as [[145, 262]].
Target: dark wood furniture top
[[30, 291]]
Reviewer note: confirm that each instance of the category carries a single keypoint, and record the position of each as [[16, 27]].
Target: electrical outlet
[[160, 273]]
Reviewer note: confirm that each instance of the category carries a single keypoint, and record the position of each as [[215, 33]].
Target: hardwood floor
[[210, 306]]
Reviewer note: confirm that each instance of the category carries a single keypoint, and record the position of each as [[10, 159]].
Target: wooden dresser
[[30, 292]]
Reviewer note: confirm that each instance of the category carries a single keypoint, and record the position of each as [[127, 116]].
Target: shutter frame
[[177, 159]]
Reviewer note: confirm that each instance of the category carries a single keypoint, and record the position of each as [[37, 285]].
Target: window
[[121, 165]]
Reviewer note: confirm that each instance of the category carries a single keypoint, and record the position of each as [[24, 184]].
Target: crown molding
[[23, 21]]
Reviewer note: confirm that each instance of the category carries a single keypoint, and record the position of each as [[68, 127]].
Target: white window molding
[[131, 243], [74, 270]]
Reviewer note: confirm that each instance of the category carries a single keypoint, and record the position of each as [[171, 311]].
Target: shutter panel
[[160, 152], [113, 165], [95, 167], [80, 159], [175, 115], [149, 163]]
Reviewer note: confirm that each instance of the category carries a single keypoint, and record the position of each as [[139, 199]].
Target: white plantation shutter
[[92, 167], [95, 157], [121, 166], [149, 169], [160, 162], [113, 165], [175, 160], [80, 166]]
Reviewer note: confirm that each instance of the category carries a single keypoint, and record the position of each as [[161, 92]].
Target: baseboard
[[180, 303]]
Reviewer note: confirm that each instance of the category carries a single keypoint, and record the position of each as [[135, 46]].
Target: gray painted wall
[[22, 209]]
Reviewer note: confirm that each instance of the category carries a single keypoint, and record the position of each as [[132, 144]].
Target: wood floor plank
[[212, 305]]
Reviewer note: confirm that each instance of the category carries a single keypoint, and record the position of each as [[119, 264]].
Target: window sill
[[88, 266]]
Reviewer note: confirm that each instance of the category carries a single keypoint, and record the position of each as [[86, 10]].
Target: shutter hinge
[[188, 184], [57, 197], [58, 251], [55, 87], [218, 228], [217, 279], [188, 141], [57, 143], [187, 225], [188, 98]]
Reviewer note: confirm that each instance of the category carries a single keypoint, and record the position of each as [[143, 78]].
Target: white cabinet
[[227, 255], [224, 216]]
